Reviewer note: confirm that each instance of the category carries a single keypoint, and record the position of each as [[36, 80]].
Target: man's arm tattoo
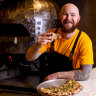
[[83, 73]]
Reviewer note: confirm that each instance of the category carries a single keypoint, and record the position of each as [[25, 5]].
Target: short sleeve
[[86, 51]]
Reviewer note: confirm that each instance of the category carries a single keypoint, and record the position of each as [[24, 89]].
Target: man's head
[[69, 18]]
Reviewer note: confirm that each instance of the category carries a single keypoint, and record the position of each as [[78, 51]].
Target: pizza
[[70, 87], [55, 36]]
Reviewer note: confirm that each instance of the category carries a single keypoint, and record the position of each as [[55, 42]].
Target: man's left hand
[[51, 76]]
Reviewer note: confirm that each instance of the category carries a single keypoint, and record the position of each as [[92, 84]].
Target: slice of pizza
[[55, 36], [68, 88]]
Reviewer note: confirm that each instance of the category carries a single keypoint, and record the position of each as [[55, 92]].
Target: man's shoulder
[[85, 37]]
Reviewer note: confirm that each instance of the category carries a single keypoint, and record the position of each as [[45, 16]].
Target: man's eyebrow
[[73, 13]]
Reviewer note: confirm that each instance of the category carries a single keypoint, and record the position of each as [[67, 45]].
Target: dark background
[[79, 3]]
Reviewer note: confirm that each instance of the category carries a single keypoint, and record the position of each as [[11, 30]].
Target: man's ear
[[79, 18]]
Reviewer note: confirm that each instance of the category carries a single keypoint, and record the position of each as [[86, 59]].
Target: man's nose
[[68, 17]]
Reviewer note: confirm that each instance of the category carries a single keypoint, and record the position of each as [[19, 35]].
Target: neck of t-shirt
[[68, 35]]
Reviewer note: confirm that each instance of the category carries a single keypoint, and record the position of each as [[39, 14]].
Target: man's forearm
[[81, 74], [33, 52], [65, 75], [84, 73]]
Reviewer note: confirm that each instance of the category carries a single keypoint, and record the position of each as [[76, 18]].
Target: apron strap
[[75, 43], [52, 44]]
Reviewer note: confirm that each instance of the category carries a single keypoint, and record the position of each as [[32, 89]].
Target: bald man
[[69, 57]]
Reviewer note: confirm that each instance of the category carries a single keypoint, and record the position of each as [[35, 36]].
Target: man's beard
[[71, 29]]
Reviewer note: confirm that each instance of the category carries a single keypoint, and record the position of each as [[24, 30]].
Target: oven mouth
[[13, 30]]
